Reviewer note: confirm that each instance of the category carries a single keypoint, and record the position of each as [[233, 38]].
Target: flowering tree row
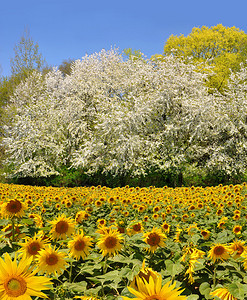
[[126, 116]]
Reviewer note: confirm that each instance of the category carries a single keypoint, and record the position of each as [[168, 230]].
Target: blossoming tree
[[125, 116]]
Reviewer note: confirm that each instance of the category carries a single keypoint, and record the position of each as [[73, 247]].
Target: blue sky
[[71, 28]]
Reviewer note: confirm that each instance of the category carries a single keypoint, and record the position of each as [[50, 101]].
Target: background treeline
[[115, 119]]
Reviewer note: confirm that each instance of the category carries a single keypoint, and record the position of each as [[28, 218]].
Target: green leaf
[[126, 260], [192, 297], [27, 221], [125, 272], [126, 293], [93, 291], [205, 290], [237, 290], [79, 287], [195, 238], [245, 279], [110, 276], [173, 269], [199, 265]]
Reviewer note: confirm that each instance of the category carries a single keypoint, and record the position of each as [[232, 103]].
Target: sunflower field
[[122, 243]]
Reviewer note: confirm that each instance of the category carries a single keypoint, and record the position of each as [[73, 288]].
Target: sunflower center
[[51, 259], [79, 245], [204, 233], [33, 248], [153, 239], [15, 287], [219, 250], [14, 206], [165, 226], [239, 249], [110, 242], [137, 227], [62, 227]]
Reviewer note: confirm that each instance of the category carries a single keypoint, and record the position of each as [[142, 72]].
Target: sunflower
[[13, 208], [126, 213], [62, 227], [58, 206], [37, 219], [156, 209], [194, 255], [154, 290], [7, 230], [219, 212], [18, 281], [80, 245], [50, 260], [156, 216], [236, 217], [166, 227], [32, 246], [81, 216], [110, 242], [185, 217], [192, 207], [103, 230], [178, 233], [223, 294], [155, 238], [205, 233], [244, 255], [141, 208], [237, 248], [135, 206], [219, 251], [237, 229], [222, 222], [192, 229], [98, 203], [68, 204], [163, 215], [144, 273], [135, 227], [101, 222], [145, 219]]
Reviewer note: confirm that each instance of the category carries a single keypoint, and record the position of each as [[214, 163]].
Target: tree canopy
[[27, 57], [222, 47], [122, 117]]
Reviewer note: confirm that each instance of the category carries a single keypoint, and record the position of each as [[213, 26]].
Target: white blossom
[[125, 117]]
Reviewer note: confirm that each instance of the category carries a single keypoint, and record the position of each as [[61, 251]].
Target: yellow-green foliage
[[219, 46]]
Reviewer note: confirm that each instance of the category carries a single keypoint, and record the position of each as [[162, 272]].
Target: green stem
[[13, 233], [209, 271], [214, 276], [102, 288], [70, 272], [104, 269], [150, 259], [105, 265]]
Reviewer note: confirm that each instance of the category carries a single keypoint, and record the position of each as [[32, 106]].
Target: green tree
[[222, 47], [129, 52], [65, 66], [27, 57]]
